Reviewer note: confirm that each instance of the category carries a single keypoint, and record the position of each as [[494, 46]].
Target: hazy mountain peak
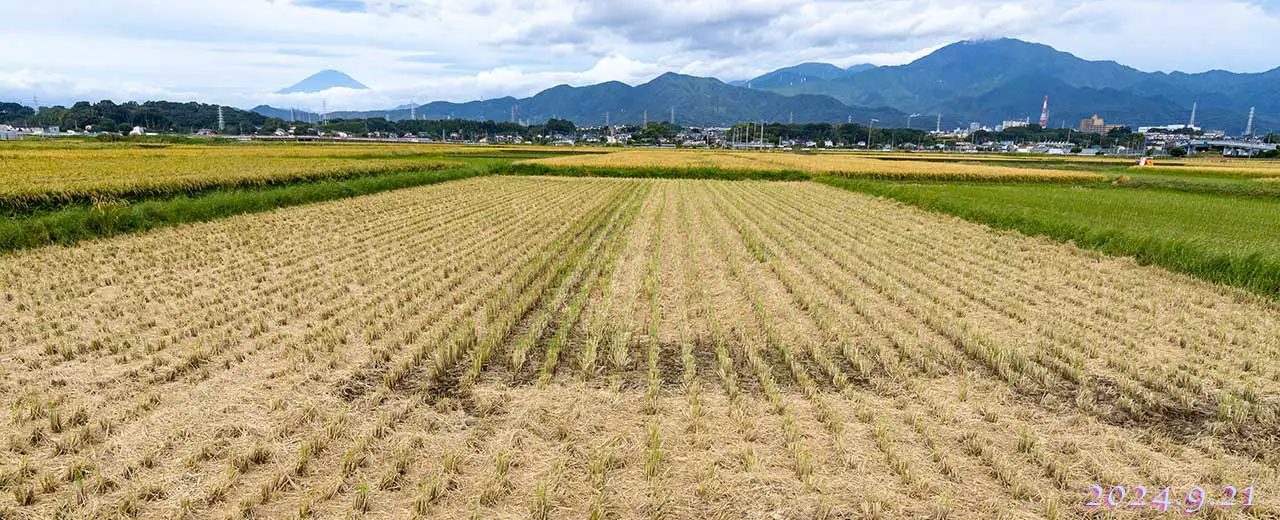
[[802, 73], [322, 81]]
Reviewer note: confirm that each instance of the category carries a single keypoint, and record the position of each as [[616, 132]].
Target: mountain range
[[989, 81], [986, 81], [696, 101]]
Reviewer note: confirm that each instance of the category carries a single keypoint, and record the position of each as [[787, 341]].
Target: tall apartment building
[[1095, 125]]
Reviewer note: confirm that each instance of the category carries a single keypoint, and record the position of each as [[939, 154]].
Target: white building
[[1164, 129], [1005, 125]]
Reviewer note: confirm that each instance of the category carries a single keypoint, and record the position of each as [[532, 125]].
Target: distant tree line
[[108, 116], [186, 118], [1121, 136], [464, 129], [839, 134]]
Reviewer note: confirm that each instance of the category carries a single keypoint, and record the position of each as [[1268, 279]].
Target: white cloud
[[239, 51]]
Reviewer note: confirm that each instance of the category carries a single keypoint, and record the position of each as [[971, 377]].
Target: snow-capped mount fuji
[[322, 81]]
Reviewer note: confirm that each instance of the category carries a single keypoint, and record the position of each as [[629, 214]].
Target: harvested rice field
[[516, 347], [845, 164]]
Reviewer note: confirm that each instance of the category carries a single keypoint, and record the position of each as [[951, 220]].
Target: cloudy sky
[[238, 52]]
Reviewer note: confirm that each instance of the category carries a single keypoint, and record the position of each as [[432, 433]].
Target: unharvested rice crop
[[35, 175], [1236, 167], [826, 164], [509, 347]]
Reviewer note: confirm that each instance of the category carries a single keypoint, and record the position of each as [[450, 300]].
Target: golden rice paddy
[[33, 173]]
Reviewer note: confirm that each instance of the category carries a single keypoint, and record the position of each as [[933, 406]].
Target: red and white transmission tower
[[1044, 113]]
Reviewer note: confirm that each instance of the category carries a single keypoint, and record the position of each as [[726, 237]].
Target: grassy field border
[[1252, 272], [73, 224]]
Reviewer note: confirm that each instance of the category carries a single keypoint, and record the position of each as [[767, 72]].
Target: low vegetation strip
[[850, 165], [1223, 239], [550, 347], [654, 172], [77, 222], [40, 179]]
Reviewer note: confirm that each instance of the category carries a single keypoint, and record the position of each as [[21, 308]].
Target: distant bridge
[[1205, 144]]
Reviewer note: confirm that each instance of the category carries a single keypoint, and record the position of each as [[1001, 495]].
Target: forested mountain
[[802, 73], [987, 81], [697, 102]]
